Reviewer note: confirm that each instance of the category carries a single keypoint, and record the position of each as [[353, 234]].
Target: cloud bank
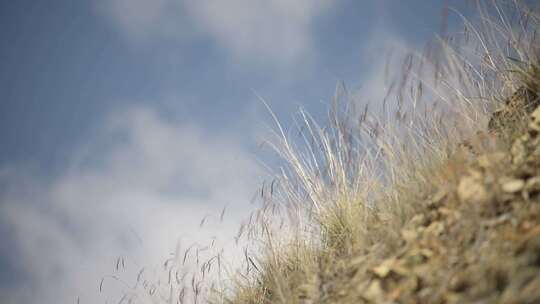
[[140, 186], [254, 31]]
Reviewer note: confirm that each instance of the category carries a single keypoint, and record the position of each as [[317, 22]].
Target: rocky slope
[[454, 221], [475, 241]]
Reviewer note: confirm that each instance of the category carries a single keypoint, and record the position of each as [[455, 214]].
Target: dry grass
[[339, 206], [370, 208]]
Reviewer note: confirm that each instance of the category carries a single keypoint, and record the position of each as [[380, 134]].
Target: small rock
[[533, 184], [384, 268], [409, 235], [435, 228], [535, 120], [476, 174], [417, 220], [374, 292], [512, 185], [459, 282], [471, 190], [498, 221], [519, 151], [490, 160], [437, 198]]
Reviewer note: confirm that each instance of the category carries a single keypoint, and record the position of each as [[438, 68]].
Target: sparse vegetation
[[435, 204], [433, 200]]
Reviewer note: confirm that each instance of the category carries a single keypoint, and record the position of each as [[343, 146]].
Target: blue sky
[[124, 122]]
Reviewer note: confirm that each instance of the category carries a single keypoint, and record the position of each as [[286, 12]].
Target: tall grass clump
[[346, 190]]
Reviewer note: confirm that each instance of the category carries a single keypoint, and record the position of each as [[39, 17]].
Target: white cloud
[[140, 20], [276, 31], [143, 184]]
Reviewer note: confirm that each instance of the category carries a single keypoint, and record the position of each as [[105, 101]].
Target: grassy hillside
[[434, 199]]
